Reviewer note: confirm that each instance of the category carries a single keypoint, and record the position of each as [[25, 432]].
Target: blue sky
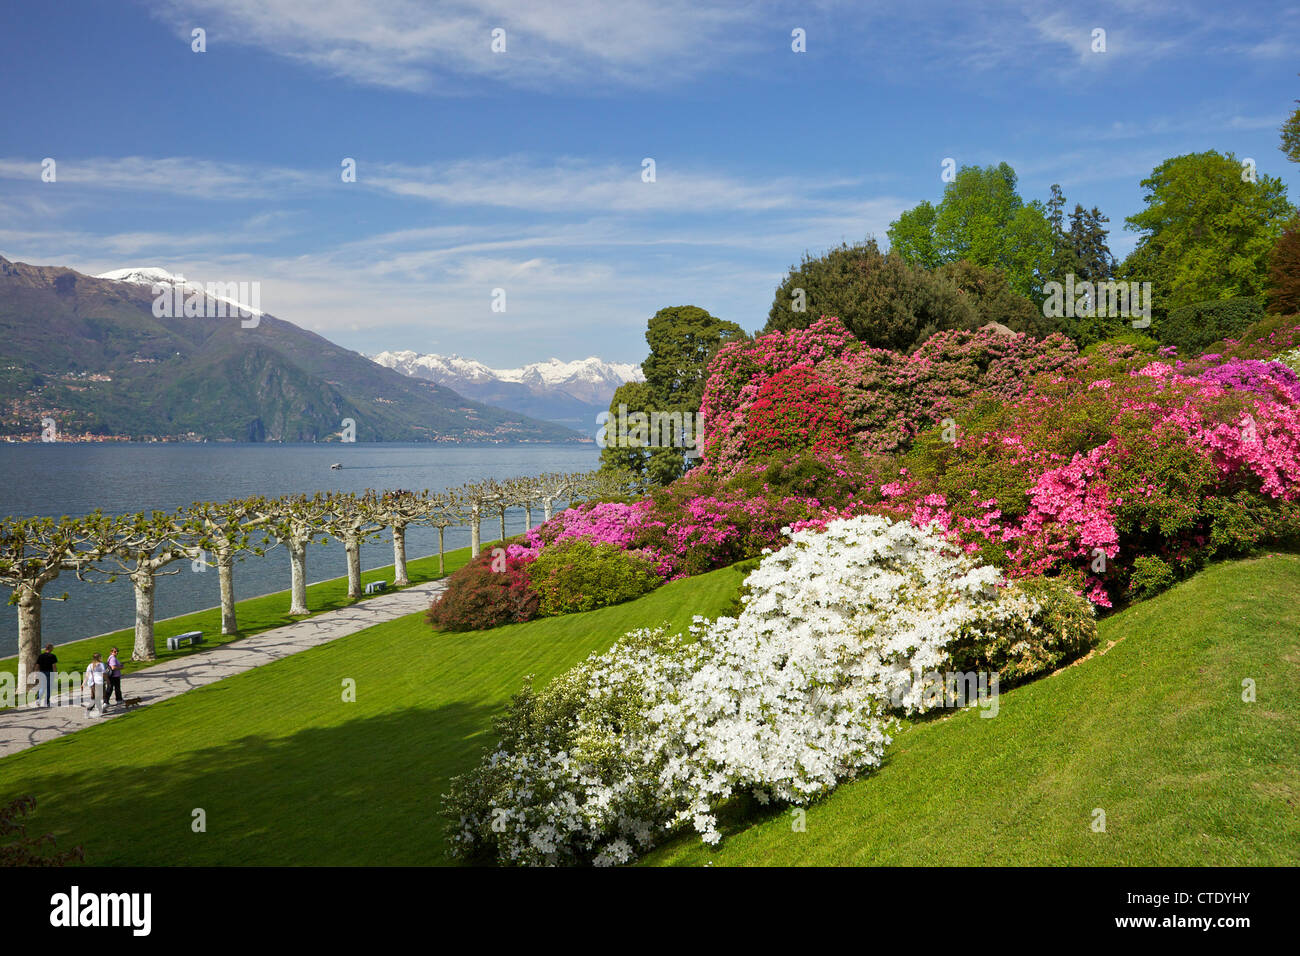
[[522, 170]]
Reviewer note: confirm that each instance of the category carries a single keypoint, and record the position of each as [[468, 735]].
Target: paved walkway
[[28, 726]]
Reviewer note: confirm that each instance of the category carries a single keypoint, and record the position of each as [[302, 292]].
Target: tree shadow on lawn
[[366, 792]]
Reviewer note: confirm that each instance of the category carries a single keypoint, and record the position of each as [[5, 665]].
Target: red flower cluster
[[797, 410]]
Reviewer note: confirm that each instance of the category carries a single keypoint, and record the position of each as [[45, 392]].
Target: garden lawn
[[253, 615], [1154, 732], [288, 773]]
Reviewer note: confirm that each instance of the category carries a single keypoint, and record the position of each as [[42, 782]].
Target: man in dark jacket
[[45, 664]]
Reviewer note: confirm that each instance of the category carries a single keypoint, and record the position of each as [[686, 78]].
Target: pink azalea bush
[[888, 397], [1085, 474]]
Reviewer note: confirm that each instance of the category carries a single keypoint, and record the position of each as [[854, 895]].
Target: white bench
[[189, 637], [375, 586]]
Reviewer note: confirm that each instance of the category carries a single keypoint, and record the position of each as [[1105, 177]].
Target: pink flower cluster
[[888, 397]]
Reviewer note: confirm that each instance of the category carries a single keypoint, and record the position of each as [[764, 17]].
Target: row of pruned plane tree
[[140, 547]]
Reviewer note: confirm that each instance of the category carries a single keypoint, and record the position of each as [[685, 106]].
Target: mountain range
[[571, 393], [90, 353]]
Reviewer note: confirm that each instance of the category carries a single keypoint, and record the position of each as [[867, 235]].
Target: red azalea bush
[[478, 597], [795, 410]]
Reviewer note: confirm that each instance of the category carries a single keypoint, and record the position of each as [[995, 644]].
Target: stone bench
[[189, 637], [376, 586]]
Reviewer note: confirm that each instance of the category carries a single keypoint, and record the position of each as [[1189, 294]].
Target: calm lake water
[[73, 479]]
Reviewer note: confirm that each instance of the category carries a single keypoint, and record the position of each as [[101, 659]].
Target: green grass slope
[[1154, 732], [288, 773]]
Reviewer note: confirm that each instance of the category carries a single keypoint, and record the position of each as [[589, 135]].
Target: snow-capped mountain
[[153, 276], [567, 392]]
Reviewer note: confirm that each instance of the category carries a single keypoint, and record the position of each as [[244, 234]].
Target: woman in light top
[[94, 679]]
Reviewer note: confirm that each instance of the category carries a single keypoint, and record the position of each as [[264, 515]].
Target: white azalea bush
[[784, 701]]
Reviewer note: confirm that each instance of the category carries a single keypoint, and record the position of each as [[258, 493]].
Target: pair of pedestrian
[[103, 678]]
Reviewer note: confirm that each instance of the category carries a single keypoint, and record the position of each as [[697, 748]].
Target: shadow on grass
[[365, 792]]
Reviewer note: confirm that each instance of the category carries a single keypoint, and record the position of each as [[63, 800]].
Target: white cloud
[[420, 45], [579, 186], [174, 175]]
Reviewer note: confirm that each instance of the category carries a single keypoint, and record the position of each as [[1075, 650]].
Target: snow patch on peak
[[140, 275], [154, 276], [589, 379]]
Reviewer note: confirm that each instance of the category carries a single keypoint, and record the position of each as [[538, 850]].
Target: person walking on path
[[45, 664], [94, 679], [113, 678]]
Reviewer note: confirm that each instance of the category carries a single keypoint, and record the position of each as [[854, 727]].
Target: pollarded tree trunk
[[226, 577], [528, 516], [352, 546], [144, 594], [29, 634], [400, 580], [442, 565], [298, 577], [546, 508], [503, 525], [474, 531]]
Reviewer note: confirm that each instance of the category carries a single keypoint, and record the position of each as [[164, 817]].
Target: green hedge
[[1193, 328]]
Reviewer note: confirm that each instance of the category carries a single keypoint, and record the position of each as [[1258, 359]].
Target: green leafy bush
[[1150, 576], [1060, 626], [1136, 340], [577, 575], [1193, 328]]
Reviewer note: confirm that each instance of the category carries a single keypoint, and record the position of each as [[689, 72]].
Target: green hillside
[[1154, 732]]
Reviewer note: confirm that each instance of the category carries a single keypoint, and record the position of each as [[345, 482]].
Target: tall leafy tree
[[993, 300], [884, 300], [981, 218], [912, 237], [33, 552], [1087, 244], [682, 340], [1284, 271], [1291, 135], [1207, 230]]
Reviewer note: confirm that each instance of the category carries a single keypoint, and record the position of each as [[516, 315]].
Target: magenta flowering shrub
[[1252, 375], [606, 522], [1086, 474]]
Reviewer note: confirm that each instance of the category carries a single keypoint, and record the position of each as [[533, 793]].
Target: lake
[[73, 479]]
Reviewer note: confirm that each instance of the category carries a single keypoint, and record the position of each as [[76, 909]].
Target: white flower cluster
[[783, 702]]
